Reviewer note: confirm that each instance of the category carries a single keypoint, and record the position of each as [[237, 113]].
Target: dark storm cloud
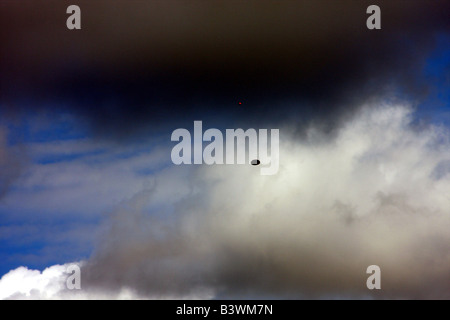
[[147, 64]]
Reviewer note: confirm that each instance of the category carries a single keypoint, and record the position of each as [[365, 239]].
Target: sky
[[86, 175]]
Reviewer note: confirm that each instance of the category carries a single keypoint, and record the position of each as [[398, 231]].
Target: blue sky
[[436, 75], [48, 216]]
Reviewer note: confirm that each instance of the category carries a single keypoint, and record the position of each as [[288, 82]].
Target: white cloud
[[50, 284], [367, 196], [23, 283]]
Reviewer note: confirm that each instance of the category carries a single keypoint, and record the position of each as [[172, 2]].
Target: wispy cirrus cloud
[[11, 162]]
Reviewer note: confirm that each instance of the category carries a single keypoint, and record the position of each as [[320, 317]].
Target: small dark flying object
[[255, 162]]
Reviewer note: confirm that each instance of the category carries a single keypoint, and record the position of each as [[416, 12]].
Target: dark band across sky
[[156, 65]]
